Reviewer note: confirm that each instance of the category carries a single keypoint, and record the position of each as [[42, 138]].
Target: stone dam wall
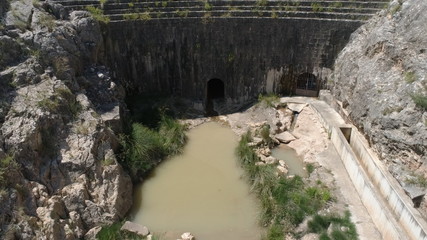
[[253, 47], [249, 55]]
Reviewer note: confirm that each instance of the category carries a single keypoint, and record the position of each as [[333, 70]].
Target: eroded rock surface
[[378, 77], [59, 122]]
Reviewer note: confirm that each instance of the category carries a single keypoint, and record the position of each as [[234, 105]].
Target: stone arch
[[307, 85], [215, 91]]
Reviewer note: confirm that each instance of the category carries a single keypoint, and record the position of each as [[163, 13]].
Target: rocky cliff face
[[59, 120], [379, 77]]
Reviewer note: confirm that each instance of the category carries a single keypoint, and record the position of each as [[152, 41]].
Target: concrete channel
[[391, 210]]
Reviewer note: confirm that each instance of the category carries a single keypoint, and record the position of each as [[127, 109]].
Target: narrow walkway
[[332, 161]]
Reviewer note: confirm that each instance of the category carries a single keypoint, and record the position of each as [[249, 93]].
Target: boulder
[[135, 228], [285, 137], [270, 160], [282, 170]]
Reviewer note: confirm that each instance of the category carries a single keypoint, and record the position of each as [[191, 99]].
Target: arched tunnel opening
[[215, 91], [307, 85]]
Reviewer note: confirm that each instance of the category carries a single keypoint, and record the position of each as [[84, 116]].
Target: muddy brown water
[[291, 158], [201, 191]]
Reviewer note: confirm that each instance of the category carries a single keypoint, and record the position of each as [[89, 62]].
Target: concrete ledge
[[390, 208]]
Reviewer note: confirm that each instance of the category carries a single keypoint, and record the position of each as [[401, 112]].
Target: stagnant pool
[[201, 191], [287, 154]]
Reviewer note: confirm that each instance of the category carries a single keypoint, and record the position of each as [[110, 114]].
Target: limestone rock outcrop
[[59, 174], [380, 80]]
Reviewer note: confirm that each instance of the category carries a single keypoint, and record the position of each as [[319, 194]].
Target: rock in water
[[187, 236], [135, 228]]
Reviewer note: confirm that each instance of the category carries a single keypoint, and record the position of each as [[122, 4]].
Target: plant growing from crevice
[[410, 77], [207, 6], [269, 99], [62, 101], [417, 179], [420, 100], [48, 21], [98, 14], [317, 7], [7, 165]]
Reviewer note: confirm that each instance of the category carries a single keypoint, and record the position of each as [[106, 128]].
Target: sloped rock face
[[376, 77], [59, 173]]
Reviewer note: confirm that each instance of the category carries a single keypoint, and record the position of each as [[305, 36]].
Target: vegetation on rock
[[285, 202], [98, 14]]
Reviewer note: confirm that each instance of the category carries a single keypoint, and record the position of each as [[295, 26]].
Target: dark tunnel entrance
[[307, 85], [215, 91]]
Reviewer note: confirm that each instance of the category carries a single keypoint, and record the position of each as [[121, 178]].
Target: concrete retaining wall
[[389, 207], [405, 214]]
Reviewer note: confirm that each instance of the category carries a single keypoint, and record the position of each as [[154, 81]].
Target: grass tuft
[[284, 202], [420, 100], [269, 99], [342, 227], [144, 147]]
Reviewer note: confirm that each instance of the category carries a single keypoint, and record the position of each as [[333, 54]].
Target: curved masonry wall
[[250, 55], [388, 205]]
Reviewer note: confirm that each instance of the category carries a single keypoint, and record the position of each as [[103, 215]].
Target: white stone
[[282, 163], [187, 236], [135, 228], [270, 160], [297, 107], [282, 170], [285, 137]]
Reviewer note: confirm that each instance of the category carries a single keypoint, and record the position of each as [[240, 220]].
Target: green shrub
[[172, 134], [268, 99], [282, 200], [102, 2], [343, 228], [265, 135], [310, 168], [317, 7], [275, 232], [417, 179], [261, 3], [7, 165], [420, 100], [98, 14], [62, 101], [208, 7], [113, 232], [144, 148], [410, 77], [183, 13], [336, 5]]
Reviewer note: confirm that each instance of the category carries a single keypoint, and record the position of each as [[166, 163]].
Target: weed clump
[[144, 147], [269, 100], [420, 100], [342, 227], [284, 202], [98, 14]]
